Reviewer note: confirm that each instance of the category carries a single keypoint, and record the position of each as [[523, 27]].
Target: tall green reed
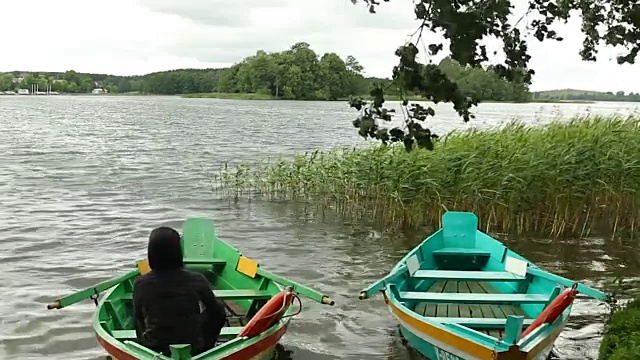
[[565, 178]]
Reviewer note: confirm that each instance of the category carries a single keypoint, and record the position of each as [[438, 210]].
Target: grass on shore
[[564, 179], [253, 96], [621, 340]]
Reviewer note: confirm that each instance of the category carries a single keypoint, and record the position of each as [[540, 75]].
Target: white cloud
[[140, 36]]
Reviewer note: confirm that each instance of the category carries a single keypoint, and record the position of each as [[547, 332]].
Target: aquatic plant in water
[[562, 179]]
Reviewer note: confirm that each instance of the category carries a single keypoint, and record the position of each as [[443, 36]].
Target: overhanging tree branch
[[465, 23]]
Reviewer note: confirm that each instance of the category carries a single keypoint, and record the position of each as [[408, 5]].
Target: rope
[[295, 296], [94, 297]]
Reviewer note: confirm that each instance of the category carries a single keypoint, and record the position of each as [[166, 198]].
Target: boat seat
[[205, 261], [461, 252], [231, 295], [451, 298], [476, 323], [123, 335], [454, 258], [242, 294], [467, 275]]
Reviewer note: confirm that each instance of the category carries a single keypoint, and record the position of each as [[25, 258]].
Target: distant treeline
[[297, 73], [571, 94], [485, 84]]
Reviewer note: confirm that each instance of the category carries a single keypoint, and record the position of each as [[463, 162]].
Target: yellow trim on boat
[[471, 347], [247, 266], [442, 335]]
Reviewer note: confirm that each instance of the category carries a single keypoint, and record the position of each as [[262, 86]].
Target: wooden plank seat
[[467, 275], [461, 252], [473, 312], [231, 295], [454, 258], [205, 261], [475, 323], [123, 335], [242, 294], [431, 297]]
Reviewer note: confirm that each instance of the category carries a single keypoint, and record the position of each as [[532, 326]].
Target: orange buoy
[[269, 314], [553, 311]]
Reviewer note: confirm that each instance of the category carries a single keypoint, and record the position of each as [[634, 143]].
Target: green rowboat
[[237, 280]]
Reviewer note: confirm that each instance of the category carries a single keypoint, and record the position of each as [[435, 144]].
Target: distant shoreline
[[86, 94], [253, 96]]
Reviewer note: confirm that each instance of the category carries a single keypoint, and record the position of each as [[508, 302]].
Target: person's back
[[167, 300]]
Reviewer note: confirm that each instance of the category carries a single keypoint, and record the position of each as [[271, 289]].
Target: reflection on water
[[84, 179]]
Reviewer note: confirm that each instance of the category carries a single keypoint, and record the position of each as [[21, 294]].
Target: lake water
[[84, 179]]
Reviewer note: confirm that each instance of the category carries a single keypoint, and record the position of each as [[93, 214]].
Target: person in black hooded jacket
[[167, 300]]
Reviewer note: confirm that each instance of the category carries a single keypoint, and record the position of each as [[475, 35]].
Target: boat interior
[[223, 266], [462, 276], [241, 304]]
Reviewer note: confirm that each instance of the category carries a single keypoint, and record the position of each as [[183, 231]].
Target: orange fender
[[269, 314], [554, 310]]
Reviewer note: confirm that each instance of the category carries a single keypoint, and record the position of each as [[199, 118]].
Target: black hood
[[164, 251]]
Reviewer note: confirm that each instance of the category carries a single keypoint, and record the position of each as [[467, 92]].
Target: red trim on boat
[[244, 354], [259, 347], [114, 351]]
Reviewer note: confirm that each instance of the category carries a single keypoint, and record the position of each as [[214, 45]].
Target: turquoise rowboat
[[461, 294]]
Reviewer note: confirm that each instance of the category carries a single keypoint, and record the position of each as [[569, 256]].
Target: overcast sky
[[127, 37]]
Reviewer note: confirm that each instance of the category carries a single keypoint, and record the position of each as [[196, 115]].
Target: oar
[[197, 232], [96, 289], [380, 284], [298, 288], [582, 288], [251, 268], [91, 291]]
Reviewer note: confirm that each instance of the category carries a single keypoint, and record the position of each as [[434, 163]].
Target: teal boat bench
[[461, 252], [461, 258], [491, 299], [230, 295], [466, 275], [475, 323], [123, 335]]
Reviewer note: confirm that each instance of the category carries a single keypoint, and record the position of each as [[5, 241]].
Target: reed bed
[[568, 178]]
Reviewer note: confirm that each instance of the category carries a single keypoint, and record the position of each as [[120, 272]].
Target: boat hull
[[446, 352], [461, 294], [438, 344], [264, 349]]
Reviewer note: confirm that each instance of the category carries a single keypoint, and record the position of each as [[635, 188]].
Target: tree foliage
[[484, 84], [464, 23], [297, 73], [183, 81]]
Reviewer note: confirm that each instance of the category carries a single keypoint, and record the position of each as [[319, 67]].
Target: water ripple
[[84, 179]]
